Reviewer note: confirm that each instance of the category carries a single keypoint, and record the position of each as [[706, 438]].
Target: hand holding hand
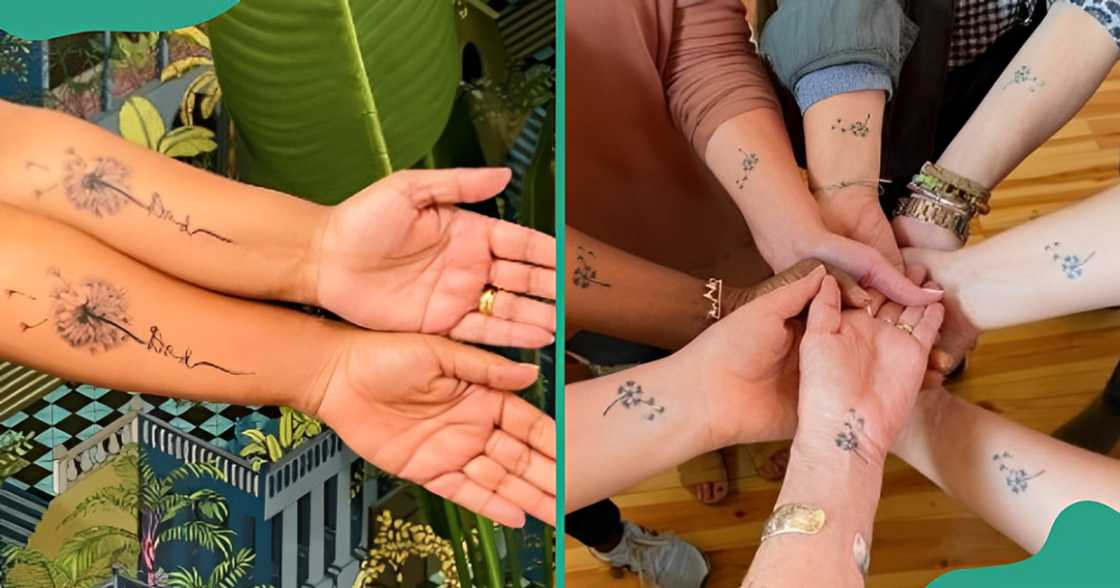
[[860, 374], [855, 212], [958, 333], [442, 414], [400, 256]]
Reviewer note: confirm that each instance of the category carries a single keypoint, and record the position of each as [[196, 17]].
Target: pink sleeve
[[711, 71]]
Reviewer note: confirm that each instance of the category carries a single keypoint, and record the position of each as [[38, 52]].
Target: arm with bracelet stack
[[1037, 94]]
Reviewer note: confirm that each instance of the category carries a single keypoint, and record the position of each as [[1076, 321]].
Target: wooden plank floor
[[1039, 375]]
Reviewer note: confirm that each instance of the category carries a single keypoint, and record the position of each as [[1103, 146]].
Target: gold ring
[[909, 330], [486, 302]]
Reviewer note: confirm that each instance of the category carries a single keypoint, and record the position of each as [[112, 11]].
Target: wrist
[[324, 359], [307, 278], [925, 421]]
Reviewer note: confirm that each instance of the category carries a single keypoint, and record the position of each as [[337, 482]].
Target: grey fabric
[[804, 36], [840, 79], [1107, 12]]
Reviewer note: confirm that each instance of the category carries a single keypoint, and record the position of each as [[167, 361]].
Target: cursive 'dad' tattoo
[[1023, 76], [630, 395], [1017, 479], [101, 187], [859, 128], [748, 165], [848, 439], [1072, 265], [585, 275], [92, 315]]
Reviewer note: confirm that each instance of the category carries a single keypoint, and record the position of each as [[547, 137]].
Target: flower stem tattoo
[[1017, 478], [630, 396], [93, 315], [749, 163], [1072, 265], [101, 188], [849, 438], [859, 128], [585, 275], [1024, 76]]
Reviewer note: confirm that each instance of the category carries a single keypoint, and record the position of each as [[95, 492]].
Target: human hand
[[855, 212], [745, 366], [958, 333], [851, 292], [400, 256], [911, 232], [442, 414], [860, 374]]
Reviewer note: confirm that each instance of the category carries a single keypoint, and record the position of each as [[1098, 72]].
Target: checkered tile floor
[[73, 413]]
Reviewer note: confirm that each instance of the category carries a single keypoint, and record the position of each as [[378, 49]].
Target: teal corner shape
[[1079, 553], [37, 20]]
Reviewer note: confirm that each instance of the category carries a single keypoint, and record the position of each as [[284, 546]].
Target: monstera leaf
[[330, 95]]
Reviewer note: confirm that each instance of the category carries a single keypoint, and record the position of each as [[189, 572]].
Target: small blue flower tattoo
[[1073, 266], [1017, 478]]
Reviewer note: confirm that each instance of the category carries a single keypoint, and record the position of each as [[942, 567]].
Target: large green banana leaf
[[330, 95]]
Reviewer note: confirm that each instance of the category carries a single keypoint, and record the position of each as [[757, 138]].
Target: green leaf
[[331, 95], [187, 142], [286, 427], [141, 123], [193, 34], [275, 452], [179, 67]]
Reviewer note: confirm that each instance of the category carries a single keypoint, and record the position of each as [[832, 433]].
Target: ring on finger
[[908, 329], [486, 301]]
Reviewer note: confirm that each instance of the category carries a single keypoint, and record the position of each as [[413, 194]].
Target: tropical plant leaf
[[124, 498], [36, 569], [179, 67], [206, 469], [211, 94], [184, 578], [275, 451], [393, 73], [211, 504], [90, 547], [202, 533], [187, 142], [251, 449], [205, 84], [195, 35], [286, 427], [229, 573], [141, 123], [255, 435]]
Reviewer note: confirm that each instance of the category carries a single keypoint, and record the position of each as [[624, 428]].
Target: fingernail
[[532, 365], [868, 309], [933, 291]]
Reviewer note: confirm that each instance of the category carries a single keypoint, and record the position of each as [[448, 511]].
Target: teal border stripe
[[561, 236]]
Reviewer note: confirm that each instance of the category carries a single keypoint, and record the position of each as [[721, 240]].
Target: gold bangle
[[921, 193], [714, 293], [804, 519], [934, 214], [941, 181]]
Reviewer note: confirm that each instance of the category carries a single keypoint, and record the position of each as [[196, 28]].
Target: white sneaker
[[660, 560]]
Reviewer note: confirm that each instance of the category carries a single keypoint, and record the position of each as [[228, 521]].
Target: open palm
[[860, 374], [400, 256], [441, 414]]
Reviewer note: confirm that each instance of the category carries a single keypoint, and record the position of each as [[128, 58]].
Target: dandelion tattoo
[[585, 275], [1072, 265], [630, 395], [849, 438], [859, 128], [749, 163], [101, 187], [1025, 77], [93, 315], [1017, 478]]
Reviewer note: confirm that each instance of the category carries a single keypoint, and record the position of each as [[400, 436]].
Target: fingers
[[491, 330], [528, 424], [518, 243], [492, 475], [891, 312], [824, 313], [524, 278], [789, 301], [457, 488], [525, 311], [427, 187], [874, 271], [784, 278], [850, 291], [516, 458], [911, 316], [926, 329], [476, 366], [951, 349]]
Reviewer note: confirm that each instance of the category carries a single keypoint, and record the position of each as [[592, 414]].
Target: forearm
[[751, 156], [1016, 479], [624, 296], [847, 490], [628, 426], [1063, 263], [200, 227], [71, 306], [843, 141], [1053, 75]]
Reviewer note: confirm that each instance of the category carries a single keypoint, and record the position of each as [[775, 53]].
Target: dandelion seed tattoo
[[630, 395], [849, 438], [93, 315], [1025, 77], [101, 187], [585, 275], [13, 293], [859, 128], [749, 163], [1072, 265], [1017, 478]]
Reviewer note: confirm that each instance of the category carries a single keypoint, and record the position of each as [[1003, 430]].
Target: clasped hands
[[401, 256]]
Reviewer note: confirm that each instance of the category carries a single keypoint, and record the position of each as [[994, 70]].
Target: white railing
[[71, 465]]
